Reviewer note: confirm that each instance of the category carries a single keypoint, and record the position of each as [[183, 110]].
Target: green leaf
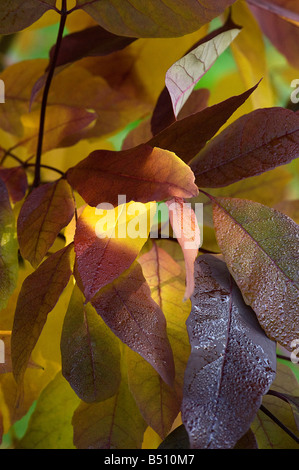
[[8, 248], [50, 426], [89, 351], [260, 247], [115, 423]]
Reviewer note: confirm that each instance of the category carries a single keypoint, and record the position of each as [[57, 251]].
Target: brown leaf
[[45, 212], [127, 308], [142, 174], [39, 294]]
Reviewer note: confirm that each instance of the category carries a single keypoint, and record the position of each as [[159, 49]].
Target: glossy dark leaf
[[128, 309], [143, 174], [189, 135], [234, 155], [46, 211], [262, 255], [39, 294], [231, 361]]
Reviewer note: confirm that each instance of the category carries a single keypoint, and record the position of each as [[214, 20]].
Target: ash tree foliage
[[120, 342]]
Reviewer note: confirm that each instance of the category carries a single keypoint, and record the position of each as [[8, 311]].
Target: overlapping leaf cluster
[[126, 342]]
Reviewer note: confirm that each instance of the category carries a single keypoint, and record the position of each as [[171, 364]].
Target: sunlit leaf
[[185, 227], [143, 174], [234, 155], [45, 212], [262, 256], [182, 76], [128, 309], [231, 360], [108, 241], [153, 18], [115, 423], [39, 294], [90, 352]]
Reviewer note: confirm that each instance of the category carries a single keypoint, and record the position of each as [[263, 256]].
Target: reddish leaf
[[16, 182], [16, 15], [45, 212], [102, 255], [189, 135], [262, 255], [275, 19], [234, 155], [163, 115], [287, 9], [90, 42], [143, 174], [231, 362], [185, 226], [128, 309], [39, 295], [153, 18]]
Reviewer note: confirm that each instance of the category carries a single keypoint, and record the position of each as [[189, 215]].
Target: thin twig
[[279, 423], [46, 94]]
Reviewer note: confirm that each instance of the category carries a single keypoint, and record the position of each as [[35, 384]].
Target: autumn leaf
[[89, 351], [16, 15], [115, 423], [268, 434], [143, 174], [231, 359], [153, 18], [261, 255], [279, 22], [158, 403], [50, 426], [233, 154], [128, 309], [8, 248], [39, 295], [188, 136], [47, 210], [108, 241], [90, 42], [15, 179]]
